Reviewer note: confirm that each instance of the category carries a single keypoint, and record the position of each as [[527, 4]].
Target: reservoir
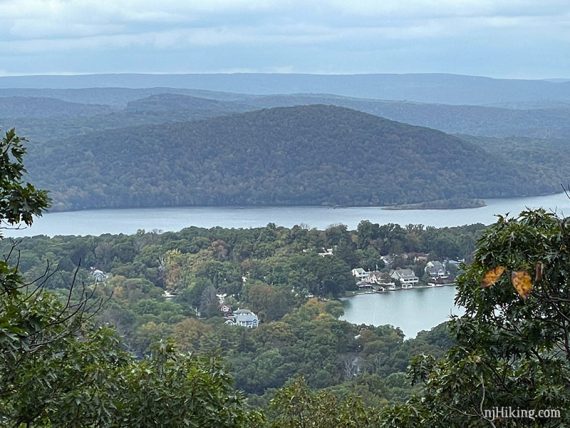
[[98, 222]]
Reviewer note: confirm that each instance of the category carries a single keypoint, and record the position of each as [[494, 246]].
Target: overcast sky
[[499, 38]]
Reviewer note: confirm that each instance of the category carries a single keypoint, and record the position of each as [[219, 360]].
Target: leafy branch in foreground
[[19, 200], [296, 406], [512, 346]]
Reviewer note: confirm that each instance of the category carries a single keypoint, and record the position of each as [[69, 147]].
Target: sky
[[496, 38]]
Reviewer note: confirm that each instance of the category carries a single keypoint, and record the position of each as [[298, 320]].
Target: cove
[[411, 310]]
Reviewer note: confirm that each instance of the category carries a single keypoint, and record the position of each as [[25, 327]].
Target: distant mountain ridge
[[309, 155], [115, 97], [459, 119], [132, 107], [429, 88], [42, 107]]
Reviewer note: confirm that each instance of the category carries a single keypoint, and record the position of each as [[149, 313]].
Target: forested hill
[[42, 107], [455, 119], [308, 155], [175, 102]]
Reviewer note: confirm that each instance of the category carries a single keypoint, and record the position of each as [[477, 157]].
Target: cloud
[[415, 9], [49, 28], [62, 13]]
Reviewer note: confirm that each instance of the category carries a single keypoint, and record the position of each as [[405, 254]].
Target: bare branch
[[566, 191]]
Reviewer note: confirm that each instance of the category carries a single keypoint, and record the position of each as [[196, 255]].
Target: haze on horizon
[[495, 38]]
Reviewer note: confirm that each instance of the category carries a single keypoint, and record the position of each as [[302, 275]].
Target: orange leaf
[[522, 282], [492, 276]]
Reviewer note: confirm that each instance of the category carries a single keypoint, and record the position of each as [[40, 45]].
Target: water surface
[[412, 310], [97, 222]]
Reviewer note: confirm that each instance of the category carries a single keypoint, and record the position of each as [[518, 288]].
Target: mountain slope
[[459, 119], [56, 119], [175, 102], [41, 107], [550, 158], [308, 155]]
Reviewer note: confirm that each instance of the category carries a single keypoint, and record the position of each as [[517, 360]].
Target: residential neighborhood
[[417, 271]]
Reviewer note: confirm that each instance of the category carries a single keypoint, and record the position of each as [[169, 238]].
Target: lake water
[[97, 222], [413, 310]]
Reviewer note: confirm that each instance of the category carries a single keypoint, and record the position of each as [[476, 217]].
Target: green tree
[[296, 406], [19, 200], [170, 389], [209, 302], [268, 302], [366, 232]]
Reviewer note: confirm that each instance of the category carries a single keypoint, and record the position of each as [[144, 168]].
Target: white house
[[244, 318], [436, 270], [168, 295], [99, 275], [360, 274], [383, 279], [407, 277]]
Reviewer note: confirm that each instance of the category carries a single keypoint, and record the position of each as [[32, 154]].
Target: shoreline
[[398, 207], [360, 293], [442, 204]]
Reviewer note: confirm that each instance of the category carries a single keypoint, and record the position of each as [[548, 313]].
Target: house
[[359, 273], [362, 285], [98, 275], [436, 270], [168, 295], [455, 263], [381, 279], [406, 277], [421, 257], [244, 318], [388, 260], [326, 252], [373, 277]]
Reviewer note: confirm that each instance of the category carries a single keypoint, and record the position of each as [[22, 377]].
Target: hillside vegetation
[[40, 107], [459, 119], [308, 155]]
